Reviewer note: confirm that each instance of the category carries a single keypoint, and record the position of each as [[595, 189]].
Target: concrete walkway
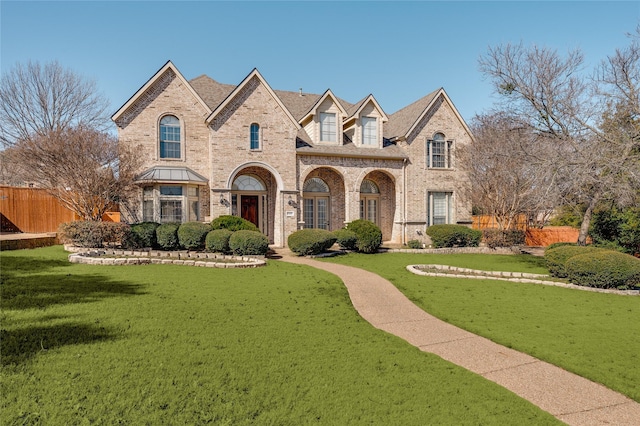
[[570, 398]]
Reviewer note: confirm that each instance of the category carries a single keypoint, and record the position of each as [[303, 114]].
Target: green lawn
[[165, 344], [592, 334]]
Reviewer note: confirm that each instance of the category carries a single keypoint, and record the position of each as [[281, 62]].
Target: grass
[[594, 335], [165, 344]]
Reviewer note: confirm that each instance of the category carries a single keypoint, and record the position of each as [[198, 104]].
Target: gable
[[150, 91]]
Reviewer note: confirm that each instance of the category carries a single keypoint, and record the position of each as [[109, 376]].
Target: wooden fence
[[33, 210], [535, 237]]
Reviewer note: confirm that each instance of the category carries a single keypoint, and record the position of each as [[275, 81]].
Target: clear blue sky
[[399, 51]]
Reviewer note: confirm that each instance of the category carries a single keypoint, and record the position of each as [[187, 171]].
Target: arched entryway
[[253, 197], [378, 201], [323, 200]]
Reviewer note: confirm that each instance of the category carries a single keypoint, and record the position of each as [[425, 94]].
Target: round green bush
[[454, 236], [368, 233], [604, 269], [346, 239], [554, 245], [167, 236], [143, 235], [414, 244], [232, 223], [310, 241], [191, 235], [557, 257], [217, 241], [246, 242]]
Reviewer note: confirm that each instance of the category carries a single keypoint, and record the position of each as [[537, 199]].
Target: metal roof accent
[[171, 174]]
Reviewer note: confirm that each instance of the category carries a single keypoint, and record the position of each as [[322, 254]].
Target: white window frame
[[190, 197], [444, 217], [258, 136], [369, 131], [447, 154], [328, 127], [180, 142]]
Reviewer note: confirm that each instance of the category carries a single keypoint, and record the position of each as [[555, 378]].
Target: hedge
[[347, 240], [369, 236], [310, 241], [232, 223], [191, 235], [414, 244], [454, 236], [167, 236], [604, 269], [558, 256], [245, 242], [94, 234], [503, 238], [217, 241], [143, 235]]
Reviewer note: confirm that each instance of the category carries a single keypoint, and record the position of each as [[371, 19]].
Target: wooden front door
[[249, 209]]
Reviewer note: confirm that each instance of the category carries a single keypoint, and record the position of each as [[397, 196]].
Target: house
[[292, 160]]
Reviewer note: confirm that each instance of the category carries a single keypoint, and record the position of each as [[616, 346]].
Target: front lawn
[[594, 335], [166, 344]]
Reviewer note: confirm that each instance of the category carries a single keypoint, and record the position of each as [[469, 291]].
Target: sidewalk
[[570, 398]]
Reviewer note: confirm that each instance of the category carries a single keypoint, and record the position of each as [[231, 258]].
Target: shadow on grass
[[537, 261], [23, 285], [18, 346]]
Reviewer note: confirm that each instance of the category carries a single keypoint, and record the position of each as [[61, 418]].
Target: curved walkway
[[569, 397]]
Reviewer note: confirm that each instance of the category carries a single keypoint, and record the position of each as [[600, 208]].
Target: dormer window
[[369, 131], [328, 129], [170, 137], [439, 152], [255, 137]]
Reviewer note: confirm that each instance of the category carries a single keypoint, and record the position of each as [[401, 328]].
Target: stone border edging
[[97, 257], [519, 277]]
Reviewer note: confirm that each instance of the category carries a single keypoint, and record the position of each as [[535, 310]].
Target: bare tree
[[36, 100], [81, 167], [592, 120], [506, 183]]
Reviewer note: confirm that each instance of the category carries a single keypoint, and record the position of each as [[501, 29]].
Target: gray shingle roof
[[402, 120]]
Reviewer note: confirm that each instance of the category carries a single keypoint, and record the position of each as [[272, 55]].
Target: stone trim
[[100, 257], [519, 277]]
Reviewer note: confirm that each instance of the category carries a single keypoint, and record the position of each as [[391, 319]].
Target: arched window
[[247, 183], [255, 136], [315, 203], [170, 137], [369, 201], [439, 152]]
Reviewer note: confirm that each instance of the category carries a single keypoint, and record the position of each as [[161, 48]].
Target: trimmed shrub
[[454, 236], [557, 257], [369, 236], [346, 239], [217, 241], [245, 242], [414, 244], [94, 234], [604, 269], [233, 223], [167, 236], [191, 235], [143, 235], [617, 229], [554, 245], [503, 238], [310, 241]]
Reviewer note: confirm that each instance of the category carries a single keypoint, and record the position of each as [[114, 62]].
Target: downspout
[[404, 201]]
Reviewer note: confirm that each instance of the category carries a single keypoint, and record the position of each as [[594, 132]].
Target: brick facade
[[216, 122]]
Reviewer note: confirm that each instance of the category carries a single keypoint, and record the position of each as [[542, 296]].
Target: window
[[166, 203], [194, 203], [369, 131], [255, 136], [369, 201], [147, 204], [315, 204], [439, 152], [328, 130], [169, 137], [170, 203], [439, 208]]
